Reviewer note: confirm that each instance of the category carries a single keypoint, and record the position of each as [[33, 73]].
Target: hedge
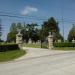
[[8, 47], [64, 44]]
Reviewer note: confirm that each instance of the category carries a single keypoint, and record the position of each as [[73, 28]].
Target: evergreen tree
[[13, 27], [71, 34], [11, 36], [51, 26], [19, 26], [32, 31]]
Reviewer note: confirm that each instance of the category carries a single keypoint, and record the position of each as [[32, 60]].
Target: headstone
[[38, 42], [50, 41], [30, 41], [59, 40]]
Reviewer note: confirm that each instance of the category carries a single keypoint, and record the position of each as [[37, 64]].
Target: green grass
[[64, 48], [33, 45], [10, 55], [46, 46], [36, 45]]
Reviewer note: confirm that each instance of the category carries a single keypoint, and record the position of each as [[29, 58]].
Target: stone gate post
[[19, 39], [50, 41]]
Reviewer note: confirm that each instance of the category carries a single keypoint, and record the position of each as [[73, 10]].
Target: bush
[[8, 47], [69, 44]]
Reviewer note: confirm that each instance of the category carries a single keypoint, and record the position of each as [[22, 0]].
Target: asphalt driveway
[[41, 62]]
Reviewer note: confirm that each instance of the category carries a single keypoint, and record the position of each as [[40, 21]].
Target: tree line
[[33, 32]]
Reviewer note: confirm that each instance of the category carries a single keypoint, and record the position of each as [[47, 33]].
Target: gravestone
[[59, 41], [50, 41], [30, 41], [38, 42]]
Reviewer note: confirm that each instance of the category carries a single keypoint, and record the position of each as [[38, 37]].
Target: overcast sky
[[38, 8]]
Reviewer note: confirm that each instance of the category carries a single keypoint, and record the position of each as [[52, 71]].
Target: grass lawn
[[64, 48], [36, 45], [10, 55], [33, 45], [46, 46]]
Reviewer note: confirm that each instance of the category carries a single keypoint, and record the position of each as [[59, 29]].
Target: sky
[[41, 9]]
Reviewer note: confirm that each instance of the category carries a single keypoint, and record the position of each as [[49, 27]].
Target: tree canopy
[[51, 26], [71, 34], [28, 31], [31, 31]]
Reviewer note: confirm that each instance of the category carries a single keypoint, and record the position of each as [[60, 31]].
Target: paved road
[[41, 62]]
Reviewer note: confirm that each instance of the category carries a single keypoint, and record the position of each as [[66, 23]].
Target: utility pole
[[62, 18], [63, 27]]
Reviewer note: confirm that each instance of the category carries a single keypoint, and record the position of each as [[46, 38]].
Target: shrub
[[67, 44], [8, 47]]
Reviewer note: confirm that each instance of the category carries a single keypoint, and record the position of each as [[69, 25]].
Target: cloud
[[28, 9]]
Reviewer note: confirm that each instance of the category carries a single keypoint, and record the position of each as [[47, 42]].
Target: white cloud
[[28, 9]]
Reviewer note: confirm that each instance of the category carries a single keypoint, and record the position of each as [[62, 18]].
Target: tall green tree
[[24, 32], [13, 27], [11, 36], [51, 26], [19, 26], [71, 34], [32, 31]]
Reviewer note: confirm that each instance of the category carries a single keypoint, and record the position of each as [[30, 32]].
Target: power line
[[20, 16], [37, 18]]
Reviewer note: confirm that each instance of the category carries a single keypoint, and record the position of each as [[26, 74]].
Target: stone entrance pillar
[[19, 39], [50, 41]]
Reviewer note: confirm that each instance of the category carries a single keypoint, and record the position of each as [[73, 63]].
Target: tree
[[32, 31], [19, 26], [71, 34], [13, 31], [35, 36], [24, 32], [29, 31], [11, 36], [13, 27], [51, 26]]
